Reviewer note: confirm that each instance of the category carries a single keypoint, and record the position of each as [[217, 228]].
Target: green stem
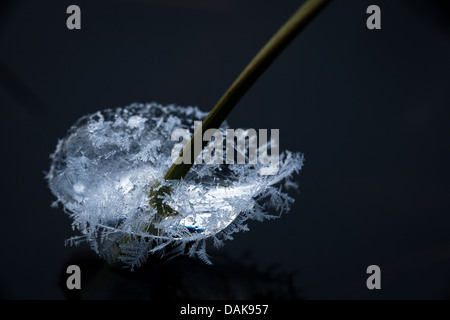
[[245, 80]]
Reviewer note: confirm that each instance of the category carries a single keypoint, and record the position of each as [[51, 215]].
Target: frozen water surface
[[103, 170]]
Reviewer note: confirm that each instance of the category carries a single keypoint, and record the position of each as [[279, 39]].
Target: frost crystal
[[102, 173]]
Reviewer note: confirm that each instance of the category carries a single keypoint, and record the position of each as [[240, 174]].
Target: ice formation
[[103, 170]]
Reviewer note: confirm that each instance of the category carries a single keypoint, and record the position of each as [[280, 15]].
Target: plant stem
[[245, 80]]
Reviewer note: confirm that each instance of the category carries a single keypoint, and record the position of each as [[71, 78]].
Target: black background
[[368, 108]]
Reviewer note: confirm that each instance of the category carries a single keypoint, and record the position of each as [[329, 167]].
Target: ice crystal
[[102, 173]]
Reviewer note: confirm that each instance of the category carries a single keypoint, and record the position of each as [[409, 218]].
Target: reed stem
[[245, 80]]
